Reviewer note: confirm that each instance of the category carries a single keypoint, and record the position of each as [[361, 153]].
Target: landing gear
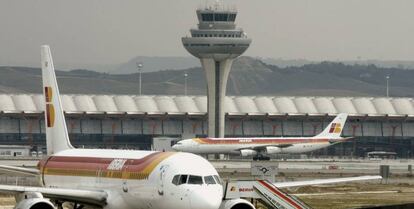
[[61, 205], [78, 206], [261, 157]]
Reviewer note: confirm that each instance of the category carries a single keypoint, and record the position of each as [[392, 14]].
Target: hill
[[248, 77]]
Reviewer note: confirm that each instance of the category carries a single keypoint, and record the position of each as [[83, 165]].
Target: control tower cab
[[216, 42], [217, 36]]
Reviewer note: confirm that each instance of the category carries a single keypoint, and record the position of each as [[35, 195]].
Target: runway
[[362, 166]]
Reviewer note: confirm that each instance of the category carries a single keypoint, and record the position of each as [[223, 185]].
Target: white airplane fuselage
[[235, 145], [134, 179]]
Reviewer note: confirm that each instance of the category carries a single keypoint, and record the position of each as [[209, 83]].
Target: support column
[[217, 73]]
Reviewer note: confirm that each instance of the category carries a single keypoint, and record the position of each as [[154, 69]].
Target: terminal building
[[132, 122]]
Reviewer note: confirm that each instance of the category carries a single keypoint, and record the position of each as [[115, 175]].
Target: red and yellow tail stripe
[[50, 109], [335, 128]]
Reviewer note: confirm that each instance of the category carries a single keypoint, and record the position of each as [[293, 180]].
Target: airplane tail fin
[[334, 129], [57, 138]]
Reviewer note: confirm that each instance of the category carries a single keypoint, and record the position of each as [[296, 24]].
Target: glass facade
[[138, 133]]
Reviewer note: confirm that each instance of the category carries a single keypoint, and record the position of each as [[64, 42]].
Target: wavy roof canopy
[[240, 105]]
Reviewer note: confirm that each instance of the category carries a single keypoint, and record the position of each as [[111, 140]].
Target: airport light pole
[[388, 89], [185, 83], [140, 66]]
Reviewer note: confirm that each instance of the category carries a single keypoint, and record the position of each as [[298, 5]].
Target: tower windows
[[232, 17], [218, 17], [221, 16], [207, 17]]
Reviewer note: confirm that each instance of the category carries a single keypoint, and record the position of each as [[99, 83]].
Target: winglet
[[334, 129], [57, 138]]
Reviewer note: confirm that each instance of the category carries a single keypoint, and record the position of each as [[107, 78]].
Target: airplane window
[[176, 179], [195, 180], [217, 179], [209, 180], [183, 179]]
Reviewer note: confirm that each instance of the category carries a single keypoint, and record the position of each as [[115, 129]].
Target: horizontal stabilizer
[[325, 181]]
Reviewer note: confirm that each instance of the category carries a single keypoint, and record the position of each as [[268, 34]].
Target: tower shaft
[[217, 73]]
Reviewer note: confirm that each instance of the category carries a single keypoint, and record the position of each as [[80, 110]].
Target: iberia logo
[[233, 189], [335, 128], [50, 109]]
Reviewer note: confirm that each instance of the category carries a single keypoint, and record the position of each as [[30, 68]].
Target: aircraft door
[[125, 176], [161, 179], [99, 172]]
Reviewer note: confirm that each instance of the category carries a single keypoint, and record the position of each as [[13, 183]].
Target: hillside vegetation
[[248, 77]]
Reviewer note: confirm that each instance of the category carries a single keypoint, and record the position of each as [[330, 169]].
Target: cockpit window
[[209, 180], [176, 179], [190, 179], [195, 180], [217, 178], [183, 179]]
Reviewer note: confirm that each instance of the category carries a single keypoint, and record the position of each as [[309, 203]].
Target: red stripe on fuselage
[[94, 163], [260, 141]]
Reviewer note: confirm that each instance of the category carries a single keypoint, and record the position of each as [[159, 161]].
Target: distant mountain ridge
[[249, 76], [153, 64], [401, 64]]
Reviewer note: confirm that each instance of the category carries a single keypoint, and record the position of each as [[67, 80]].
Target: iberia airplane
[[113, 179], [260, 146]]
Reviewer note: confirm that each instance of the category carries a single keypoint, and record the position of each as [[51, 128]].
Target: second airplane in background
[[260, 147]]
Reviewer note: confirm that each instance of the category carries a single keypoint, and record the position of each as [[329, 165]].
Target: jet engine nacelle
[[34, 203], [236, 204], [247, 152], [273, 150]]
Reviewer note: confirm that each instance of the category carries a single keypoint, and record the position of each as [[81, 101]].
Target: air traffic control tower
[[216, 42]]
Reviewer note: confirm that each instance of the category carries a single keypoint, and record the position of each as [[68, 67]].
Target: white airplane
[[113, 179], [261, 146]]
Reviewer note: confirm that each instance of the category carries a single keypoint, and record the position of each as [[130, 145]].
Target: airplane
[[112, 179], [258, 147]]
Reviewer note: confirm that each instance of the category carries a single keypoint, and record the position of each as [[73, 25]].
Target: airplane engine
[[247, 152], [273, 150], [34, 203], [236, 204], [32, 200]]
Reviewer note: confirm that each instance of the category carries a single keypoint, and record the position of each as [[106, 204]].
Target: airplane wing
[[19, 170], [75, 195], [263, 147], [324, 181]]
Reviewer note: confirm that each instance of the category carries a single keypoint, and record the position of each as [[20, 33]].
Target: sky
[[109, 32]]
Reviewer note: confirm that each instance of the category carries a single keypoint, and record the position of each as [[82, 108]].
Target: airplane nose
[[208, 197], [175, 147]]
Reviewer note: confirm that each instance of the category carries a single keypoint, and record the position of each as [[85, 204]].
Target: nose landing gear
[[260, 157]]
